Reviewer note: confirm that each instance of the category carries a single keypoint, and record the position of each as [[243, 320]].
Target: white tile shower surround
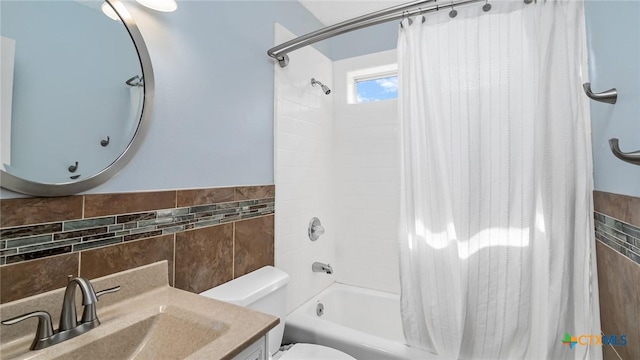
[[303, 138], [366, 182], [338, 162]]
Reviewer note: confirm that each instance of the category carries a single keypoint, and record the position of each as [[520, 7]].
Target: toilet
[[264, 290]]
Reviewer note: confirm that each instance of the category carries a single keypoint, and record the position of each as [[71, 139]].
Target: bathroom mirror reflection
[[73, 93]]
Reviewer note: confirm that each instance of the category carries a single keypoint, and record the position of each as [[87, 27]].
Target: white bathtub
[[363, 323]]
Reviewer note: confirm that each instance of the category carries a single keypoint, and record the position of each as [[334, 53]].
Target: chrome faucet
[[69, 325], [320, 267], [68, 317]]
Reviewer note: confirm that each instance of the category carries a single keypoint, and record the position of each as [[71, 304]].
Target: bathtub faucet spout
[[320, 267]]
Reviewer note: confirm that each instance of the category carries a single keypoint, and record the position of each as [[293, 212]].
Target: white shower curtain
[[496, 244]]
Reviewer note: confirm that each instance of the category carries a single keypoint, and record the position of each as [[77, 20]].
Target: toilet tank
[[262, 290]]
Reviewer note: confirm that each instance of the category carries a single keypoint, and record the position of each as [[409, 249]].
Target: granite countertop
[[217, 329]]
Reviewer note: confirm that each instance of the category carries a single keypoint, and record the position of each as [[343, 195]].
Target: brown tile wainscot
[[208, 236], [617, 227]]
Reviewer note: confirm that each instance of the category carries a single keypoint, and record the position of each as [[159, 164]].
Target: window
[[377, 89], [373, 84]]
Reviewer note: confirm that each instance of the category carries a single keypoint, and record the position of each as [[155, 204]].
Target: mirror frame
[[24, 186]]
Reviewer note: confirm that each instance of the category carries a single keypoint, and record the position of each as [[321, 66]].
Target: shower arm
[[324, 87]]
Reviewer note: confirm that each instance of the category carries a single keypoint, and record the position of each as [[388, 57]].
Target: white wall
[[303, 153], [366, 182]]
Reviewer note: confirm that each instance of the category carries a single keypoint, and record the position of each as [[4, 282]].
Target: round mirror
[[77, 90]]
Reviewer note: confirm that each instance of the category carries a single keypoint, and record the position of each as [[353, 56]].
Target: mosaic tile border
[[22, 243], [620, 236]]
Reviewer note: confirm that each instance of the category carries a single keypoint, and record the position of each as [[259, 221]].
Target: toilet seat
[[312, 352]]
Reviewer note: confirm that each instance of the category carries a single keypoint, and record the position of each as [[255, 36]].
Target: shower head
[[324, 87]]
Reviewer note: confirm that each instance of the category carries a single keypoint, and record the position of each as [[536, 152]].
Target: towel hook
[[73, 168], [610, 96], [105, 142], [630, 157], [132, 81]]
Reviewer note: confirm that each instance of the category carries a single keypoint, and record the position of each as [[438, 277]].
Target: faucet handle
[[108, 291], [45, 329], [89, 314], [315, 229]]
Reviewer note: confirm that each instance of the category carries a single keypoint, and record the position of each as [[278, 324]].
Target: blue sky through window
[[377, 89]]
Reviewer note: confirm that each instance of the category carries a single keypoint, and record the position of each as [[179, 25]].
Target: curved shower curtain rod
[[382, 16]]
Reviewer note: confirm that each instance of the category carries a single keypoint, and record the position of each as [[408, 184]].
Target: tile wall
[[303, 155], [208, 236], [617, 223], [366, 182], [337, 162]]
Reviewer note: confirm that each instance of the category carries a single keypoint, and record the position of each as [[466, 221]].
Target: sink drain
[[319, 309]]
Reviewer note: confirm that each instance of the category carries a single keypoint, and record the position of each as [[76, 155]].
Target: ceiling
[[331, 12]]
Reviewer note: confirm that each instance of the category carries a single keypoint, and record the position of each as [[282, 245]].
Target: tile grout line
[[233, 251], [616, 251], [174, 260], [611, 346], [618, 240], [616, 352], [628, 200], [175, 206], [126, 213], [616, 231], [608, 241]]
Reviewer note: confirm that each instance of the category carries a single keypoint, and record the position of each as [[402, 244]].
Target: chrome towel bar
[[610, 96], [630, 157]]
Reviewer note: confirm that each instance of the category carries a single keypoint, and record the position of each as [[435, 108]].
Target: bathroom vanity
[[145, 319]]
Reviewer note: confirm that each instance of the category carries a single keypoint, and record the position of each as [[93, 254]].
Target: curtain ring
[[405, 15], [486, 6], [420, 12], [453, 13]]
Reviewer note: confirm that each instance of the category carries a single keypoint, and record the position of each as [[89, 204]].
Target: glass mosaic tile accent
[[620, 236], [29, 242]]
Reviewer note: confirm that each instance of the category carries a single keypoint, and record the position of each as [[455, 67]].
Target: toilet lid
[[314, 352]]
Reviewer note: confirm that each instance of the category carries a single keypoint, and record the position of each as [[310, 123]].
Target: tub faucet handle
[[315, 229]]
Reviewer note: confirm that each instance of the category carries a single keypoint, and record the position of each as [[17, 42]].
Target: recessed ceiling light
[[108, 10], [160, 5]]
